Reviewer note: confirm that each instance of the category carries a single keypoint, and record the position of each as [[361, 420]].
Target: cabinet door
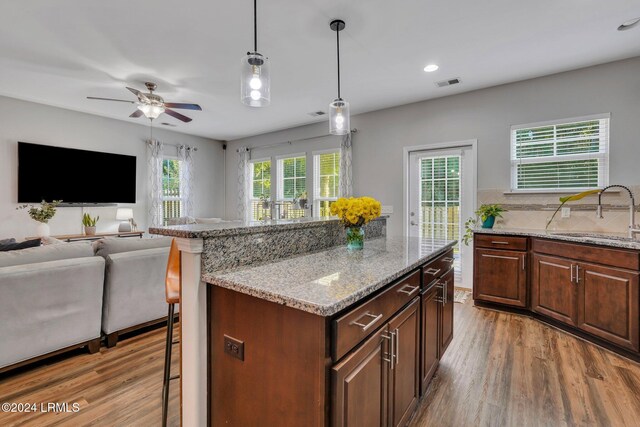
[[608, 304], [446, 312], [500, 276], [404, 380], [360, 383], [554, 288], [430, 336]]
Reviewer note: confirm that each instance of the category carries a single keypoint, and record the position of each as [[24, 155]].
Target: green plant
[[483, 212], [302, 195], [44, 213], [88, 221], [264, 197], [571, 198]]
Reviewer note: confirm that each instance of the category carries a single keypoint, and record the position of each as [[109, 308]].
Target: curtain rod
[[148, 141], [354, 130]]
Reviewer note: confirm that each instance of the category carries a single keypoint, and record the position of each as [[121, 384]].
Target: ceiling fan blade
[[183, 106], [136, 114], [177, 115], [110, 99], [141, 96]]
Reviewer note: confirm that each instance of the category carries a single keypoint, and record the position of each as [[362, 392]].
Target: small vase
[[43, 229], [89, 231], [488, 223], [355, 238]]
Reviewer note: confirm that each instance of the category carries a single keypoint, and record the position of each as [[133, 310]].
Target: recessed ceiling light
[[431, 68], [627, 25]]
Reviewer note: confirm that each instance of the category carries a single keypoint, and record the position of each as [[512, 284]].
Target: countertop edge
[[590, 240], [321, 310]]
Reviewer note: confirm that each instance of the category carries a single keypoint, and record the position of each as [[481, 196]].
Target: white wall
[[485, 115], [37, 123]]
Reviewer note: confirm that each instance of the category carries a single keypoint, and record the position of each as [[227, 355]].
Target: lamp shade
[[255, 81], [124, 214]]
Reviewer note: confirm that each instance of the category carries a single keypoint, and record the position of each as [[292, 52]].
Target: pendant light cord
[[338, 51], [255, 25]]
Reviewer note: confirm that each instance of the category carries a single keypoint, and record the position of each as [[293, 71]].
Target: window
[[171, 197], [326, 168], [260, 186], [292, 181], [563, 155]]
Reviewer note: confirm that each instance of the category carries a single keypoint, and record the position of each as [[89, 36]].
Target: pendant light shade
[[255, 82], [339, 118]]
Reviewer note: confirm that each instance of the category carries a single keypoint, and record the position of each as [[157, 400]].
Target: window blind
[[326, 181], [566, 155], [292, 173]]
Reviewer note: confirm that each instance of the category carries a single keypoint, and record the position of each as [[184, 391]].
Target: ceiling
[[59, 52]]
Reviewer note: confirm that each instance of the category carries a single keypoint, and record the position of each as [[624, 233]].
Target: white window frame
[[280, 175], [252, 199], [180, 198], [316, 179], [603, 173]]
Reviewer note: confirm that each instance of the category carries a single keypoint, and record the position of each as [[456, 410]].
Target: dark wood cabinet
[[446, 286], [608, 303], [404, 379], [361, 383], [500, 276], [554, 290], [430, 335]]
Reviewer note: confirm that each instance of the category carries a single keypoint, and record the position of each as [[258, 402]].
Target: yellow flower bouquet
[[355, 212]]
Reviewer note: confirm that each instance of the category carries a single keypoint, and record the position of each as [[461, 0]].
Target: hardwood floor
[[120, 386], [508, 370], [500, 370]]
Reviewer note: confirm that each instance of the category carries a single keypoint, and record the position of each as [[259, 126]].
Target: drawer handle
[[411, 292], [432, 271], [495, 242], [368, 325], [449, 259]]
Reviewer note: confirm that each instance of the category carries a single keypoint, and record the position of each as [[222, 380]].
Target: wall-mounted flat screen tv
[[74, 176]]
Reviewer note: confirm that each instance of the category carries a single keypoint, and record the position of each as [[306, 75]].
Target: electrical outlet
[[234, 347], [566, 212]]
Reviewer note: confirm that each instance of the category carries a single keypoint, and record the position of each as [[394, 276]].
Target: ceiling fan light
[[339, 117], [151, 111], [255, 90]]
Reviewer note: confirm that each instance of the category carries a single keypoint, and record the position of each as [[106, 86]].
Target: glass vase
[[355, 238]]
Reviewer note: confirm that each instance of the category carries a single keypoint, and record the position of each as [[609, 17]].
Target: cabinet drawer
[[496, 241], [357, 324], [433, 270], [611, 257]]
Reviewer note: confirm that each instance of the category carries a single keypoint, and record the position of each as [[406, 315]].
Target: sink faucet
[[633, 228]]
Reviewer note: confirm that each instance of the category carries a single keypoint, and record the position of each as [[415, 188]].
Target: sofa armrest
[[48, 306]]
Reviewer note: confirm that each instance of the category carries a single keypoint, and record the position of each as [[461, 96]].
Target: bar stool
[[172, 290]]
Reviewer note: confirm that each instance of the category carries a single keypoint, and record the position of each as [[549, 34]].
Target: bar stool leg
[[167, 366]]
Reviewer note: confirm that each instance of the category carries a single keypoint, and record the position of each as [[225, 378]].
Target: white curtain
[[155, 182], [346, 183], [185, 155], [244, 182]]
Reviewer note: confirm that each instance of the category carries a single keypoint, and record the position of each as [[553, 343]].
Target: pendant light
[[255, 88], [339, 108]]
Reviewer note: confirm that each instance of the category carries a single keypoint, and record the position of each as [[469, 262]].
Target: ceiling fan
[[151, 105]]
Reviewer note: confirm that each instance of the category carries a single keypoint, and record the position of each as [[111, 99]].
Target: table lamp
[[125, 215]]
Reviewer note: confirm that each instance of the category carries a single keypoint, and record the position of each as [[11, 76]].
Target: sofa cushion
[[46, 253], [108, 246], [20, 245]]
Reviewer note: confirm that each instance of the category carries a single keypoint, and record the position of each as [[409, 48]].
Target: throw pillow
[[20, 245]]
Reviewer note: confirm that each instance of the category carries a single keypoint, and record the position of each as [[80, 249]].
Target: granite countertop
[[228, 228], [328, 281], [616, 240]]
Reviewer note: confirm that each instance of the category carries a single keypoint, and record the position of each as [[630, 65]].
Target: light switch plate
[[566, 212]]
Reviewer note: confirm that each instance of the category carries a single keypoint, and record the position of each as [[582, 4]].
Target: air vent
[[449, 82], [316, 113]]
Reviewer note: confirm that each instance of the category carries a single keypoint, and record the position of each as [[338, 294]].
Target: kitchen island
[[309, 334]]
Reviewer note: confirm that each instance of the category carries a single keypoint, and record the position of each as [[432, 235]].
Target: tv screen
[[74, 176]]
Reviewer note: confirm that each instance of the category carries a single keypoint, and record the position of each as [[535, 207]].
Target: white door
[[442, 189]]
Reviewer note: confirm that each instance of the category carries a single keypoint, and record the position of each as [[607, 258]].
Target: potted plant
[[89, 224], [264, 198], [353, 213], [302, 200], [487, 215], [42, 215]]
